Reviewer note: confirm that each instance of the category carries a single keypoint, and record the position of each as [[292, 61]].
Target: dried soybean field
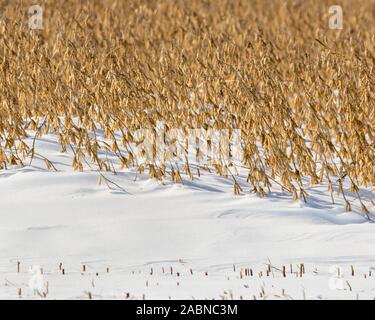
[[245, 128]]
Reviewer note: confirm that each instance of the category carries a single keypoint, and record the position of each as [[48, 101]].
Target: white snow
[[48, 218]]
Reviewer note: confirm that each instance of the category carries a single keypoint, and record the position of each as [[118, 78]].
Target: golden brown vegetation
[[270, 68]]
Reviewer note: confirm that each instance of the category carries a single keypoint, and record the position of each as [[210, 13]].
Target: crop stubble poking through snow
[[178, 280], [300, 94]]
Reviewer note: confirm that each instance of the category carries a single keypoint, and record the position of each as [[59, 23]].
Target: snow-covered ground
[[200, 229]]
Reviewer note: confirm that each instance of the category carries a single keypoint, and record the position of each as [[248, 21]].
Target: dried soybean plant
[[300, 93]]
